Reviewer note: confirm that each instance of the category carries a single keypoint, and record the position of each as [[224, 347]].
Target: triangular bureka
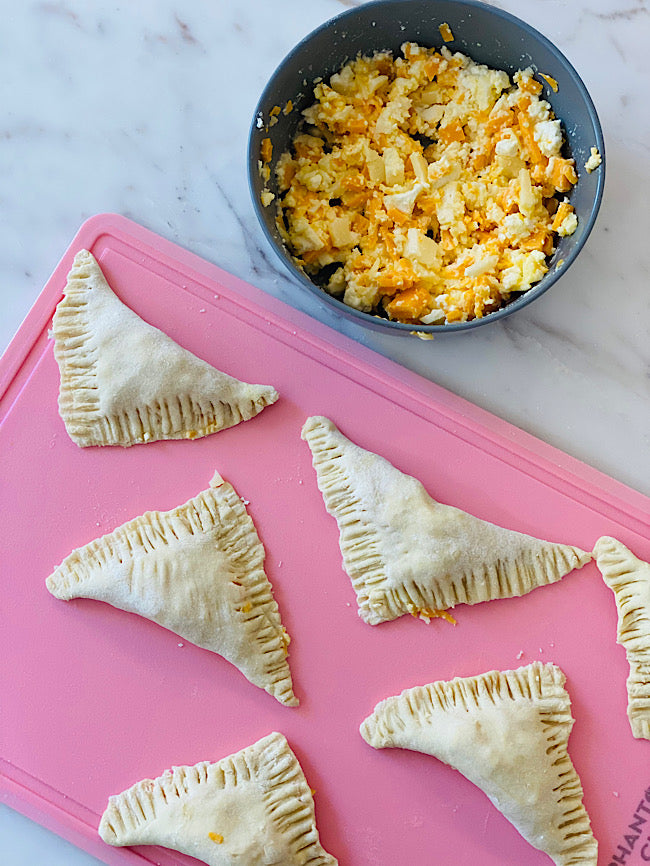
[[197, 570], [507, 733], [124, 381], [253, 808], [629, 580], [407, 553]]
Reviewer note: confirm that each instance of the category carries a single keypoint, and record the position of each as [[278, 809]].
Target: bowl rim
[[377, 322]]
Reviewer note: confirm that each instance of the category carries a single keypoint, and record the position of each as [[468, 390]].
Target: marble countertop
[[143, 109]]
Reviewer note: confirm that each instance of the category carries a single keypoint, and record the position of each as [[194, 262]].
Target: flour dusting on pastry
[[507, 732], [198, 571], [252, 808], [407, 553], [125, 382]]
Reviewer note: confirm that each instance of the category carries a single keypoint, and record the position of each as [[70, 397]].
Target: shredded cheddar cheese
[[266, 151], [552, 83], [425, 187], [445, 32], [427, 614], [216, 837]]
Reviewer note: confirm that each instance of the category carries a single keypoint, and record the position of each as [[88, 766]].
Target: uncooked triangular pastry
[[197, 570], [629, 580], [124, 381], [407, 553], [253, 808], [507, 733]]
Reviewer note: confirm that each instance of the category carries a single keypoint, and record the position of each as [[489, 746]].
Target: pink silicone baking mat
[[93, 699]]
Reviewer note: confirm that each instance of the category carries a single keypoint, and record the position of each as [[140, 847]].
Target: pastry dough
[[407, 553], [507, 733], [253, 808], [124, 381], [197, 570], [629, 580]]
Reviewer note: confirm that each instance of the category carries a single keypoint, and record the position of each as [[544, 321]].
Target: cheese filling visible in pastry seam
[[252, 808], [507, 732], [407, 553], [629, 580], [125, 382], [197, 570]]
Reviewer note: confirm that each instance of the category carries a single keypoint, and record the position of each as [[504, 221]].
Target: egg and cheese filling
[[425, 188]]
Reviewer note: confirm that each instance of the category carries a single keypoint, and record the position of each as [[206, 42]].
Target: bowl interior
[[487, 35]]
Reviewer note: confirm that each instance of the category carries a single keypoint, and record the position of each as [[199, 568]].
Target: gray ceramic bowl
[[487, 35]]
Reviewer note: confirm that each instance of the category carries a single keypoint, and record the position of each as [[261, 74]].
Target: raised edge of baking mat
[[94, 699]]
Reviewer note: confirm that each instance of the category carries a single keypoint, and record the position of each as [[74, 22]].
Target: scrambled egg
[[425, 188]]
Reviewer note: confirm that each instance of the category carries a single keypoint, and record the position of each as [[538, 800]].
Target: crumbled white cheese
[[494, 213], [594, 160], [313, 180], [568, 225], [514, 227], [508, 155], [483, 85], [507, 145], [404, 201], [344, 82], [539, 109], [304, 237], [526, 269], [395, 112], [548, 136]]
